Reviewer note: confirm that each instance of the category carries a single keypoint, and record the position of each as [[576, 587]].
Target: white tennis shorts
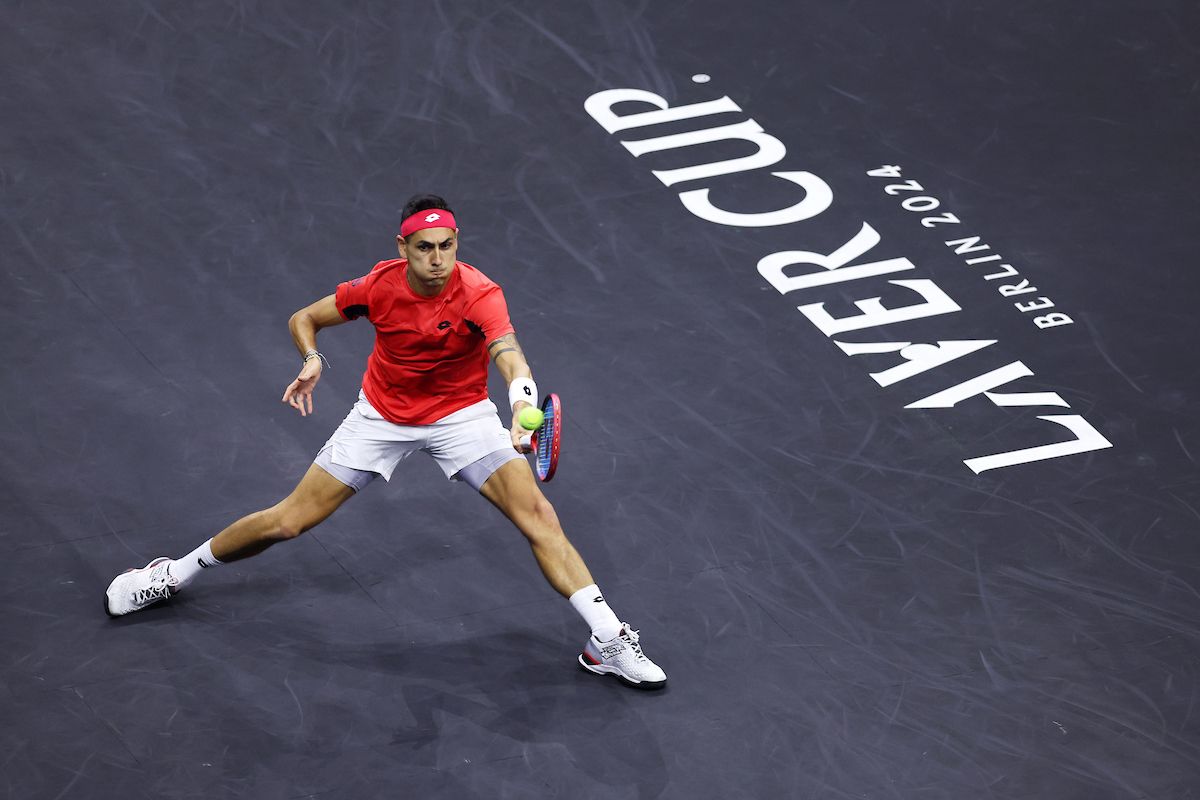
[[367, 442]]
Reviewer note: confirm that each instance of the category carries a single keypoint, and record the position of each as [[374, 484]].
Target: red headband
[[429, 218]]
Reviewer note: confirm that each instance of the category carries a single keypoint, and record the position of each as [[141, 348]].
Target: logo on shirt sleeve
[[443, 325]]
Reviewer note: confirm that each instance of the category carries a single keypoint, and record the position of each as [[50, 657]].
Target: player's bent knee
[[544, 512], [305, 509], [281, 526], [291, 520], [297, 521], [541, 523], [284, 532]]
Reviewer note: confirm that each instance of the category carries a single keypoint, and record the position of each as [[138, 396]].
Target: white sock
[[187, 568], [594, 609]]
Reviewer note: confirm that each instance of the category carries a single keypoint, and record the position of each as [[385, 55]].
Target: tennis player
[[437, 322]]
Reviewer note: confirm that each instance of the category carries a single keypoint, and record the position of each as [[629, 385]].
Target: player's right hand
[[520, 438], [299, 392]]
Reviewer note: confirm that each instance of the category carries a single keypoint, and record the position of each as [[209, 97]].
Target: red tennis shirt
[[430, 357]]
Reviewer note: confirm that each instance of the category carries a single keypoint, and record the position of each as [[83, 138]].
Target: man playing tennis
[[437, 321]]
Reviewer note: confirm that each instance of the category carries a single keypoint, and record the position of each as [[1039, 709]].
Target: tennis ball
[[531, 418]]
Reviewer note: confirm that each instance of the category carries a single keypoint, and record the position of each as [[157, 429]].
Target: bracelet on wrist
[[316, 354]]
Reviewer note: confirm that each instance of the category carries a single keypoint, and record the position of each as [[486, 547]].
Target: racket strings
[[545, 440]]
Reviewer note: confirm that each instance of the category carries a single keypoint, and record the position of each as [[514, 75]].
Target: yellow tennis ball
[[531, 418]]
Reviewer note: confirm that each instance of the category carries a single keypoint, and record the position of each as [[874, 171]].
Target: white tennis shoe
[[134, 589], [622, 657]]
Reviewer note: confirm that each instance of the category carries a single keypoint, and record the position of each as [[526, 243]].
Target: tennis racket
[[545, 440]]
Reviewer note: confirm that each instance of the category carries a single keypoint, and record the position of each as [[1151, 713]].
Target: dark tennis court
[[874, 327]]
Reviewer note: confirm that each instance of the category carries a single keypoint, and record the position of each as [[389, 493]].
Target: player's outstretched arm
[[304, 325], [510, 361]]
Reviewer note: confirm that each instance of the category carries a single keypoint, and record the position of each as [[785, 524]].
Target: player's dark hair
[[421, 202]]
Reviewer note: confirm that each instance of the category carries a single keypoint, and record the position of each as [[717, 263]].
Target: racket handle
[[526, 439]]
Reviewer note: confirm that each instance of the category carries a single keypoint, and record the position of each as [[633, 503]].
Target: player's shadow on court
[[520, 687]]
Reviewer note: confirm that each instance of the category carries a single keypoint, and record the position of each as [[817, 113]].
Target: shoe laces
[[160, 586], [153, 592], [631, 636]]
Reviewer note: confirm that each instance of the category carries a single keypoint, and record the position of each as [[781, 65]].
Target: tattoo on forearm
[[505, 344]]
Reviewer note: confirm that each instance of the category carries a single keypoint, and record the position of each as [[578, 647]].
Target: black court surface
[[874, 325]]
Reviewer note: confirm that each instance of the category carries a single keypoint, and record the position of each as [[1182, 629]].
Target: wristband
[[522, 389]]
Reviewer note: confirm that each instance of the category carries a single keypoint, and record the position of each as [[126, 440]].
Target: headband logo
[[433, 217]]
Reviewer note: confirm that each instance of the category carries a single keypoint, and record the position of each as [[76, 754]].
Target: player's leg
[[364, 439], [613, 647], [316, 497], [473, 446], [312, 501], [513, 490]]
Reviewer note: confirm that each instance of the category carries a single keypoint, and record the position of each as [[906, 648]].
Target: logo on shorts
[[443, 325], [434, 217], [598, 600]]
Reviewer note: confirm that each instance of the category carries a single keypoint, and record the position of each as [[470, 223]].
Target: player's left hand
[[299, 392]]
